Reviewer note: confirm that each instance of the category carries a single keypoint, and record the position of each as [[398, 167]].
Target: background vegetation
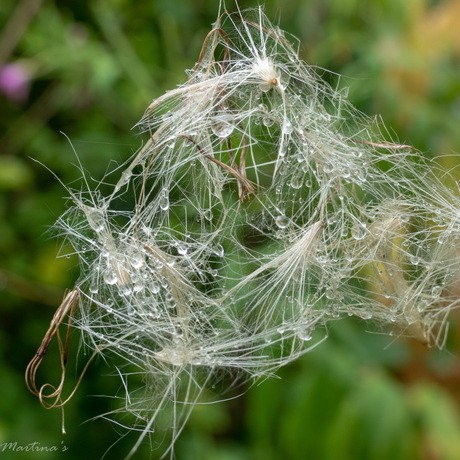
[[84, 71]]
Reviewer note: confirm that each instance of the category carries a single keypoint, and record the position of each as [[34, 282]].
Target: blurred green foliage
[[87, 70]]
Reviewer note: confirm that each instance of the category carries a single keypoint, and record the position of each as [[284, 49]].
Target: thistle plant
[[261, 207]]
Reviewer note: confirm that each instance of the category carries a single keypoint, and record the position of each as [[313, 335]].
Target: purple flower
[[14, 82]]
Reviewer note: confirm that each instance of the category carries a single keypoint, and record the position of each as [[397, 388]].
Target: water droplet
[[282, 150], [182, 249], [405, 218], [125, 178], [442, 238], [110, 276], [223, 125], [138, 286], [282, 221], [287, 126], [155, 287], [158, 264], [164, 200], [164, 282], [296, 181], [126, 289], [436, 291], [208, 215], [137, 261], [304, 333], [218, 250], [415, 260], [95, 219], [358, 231], [170, 301]]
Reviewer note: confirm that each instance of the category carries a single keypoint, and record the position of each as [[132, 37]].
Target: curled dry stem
[[226, 56], [67, 306]]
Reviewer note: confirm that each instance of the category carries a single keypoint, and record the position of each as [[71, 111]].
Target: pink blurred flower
[[15, 82]]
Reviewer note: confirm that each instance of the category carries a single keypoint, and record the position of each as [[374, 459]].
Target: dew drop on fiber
[[208, 215], [158, 264], [415, 260], [223, 125], [218, 250], [125, 178], [282, 221], [110, 276], [164, 200], [296, 181], [137, 261], [282, 151], [358, 231], [405, 218], [182, 249], [126, 289], [436, 291], [442, 238], [287, 127], [138, 286], [170, 301], [304, 333], [96, 220]]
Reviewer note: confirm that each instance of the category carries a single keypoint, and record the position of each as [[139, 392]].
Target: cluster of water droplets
[[255, 213]]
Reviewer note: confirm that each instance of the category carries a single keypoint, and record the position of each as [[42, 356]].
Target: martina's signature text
[[31, 447]]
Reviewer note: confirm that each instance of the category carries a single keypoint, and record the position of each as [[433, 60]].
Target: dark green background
[[94, 66]]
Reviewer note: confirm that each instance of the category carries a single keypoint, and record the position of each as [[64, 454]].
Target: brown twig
[[243, 181]]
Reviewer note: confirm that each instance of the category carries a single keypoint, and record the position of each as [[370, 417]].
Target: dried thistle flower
[[254, 144]]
